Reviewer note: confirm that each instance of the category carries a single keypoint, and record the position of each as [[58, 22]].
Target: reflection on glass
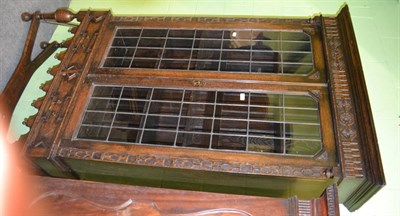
[[225, 120], [158, 137], [252, 51], [97, 118], [124, 135], [97, 133], [261, 144], [229, 142], [193, 140]]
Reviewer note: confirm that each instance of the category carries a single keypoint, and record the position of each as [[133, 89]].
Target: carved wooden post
[[26, 67]]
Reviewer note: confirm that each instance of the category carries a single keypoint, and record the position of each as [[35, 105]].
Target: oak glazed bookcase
[[253, 106]]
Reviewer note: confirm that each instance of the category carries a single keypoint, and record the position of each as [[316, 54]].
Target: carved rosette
[[348, 137], [194, 163]]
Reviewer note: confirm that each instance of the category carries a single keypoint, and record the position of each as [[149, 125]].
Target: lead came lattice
[[241, 121], [252, 51]]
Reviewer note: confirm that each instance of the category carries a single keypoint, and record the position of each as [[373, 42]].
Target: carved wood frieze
[[348, 138], [214, 20], [195, 163]]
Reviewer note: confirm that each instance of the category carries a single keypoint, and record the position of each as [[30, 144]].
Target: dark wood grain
[[72, 197], [349, 155], [374, 178]]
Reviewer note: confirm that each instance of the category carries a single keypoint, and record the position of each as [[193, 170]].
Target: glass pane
[[181, 33], [295, 36], [199, 96], [267, 35], [193, 140], [234, 34], [177, 54], [148, 53], [300, 147], [179, 43], [86, 132], [265, 56], [203, 65], [162, 122], [149, 42], [296, 46], [124, 135], [117, 62], [125, 42], [300, 101], [195, 125], [206, 54], [300, 115], [266, 113], [158, 137], [154, 32], [261, 99], [167, 94], [232, 98], [266, 129], [200, 110], [97, 118], [174, 64], [230, 127], [235, 66], [298, 57], [164, 108], [302, 131], [208, 34], [102, 104], [265, 68], [136, 93], [236, 55], [144, 63], [297, 68], [131, 106], [229, 142], [127, 120], [129, 32], [228, 111], [208, 44], [106, 91], [121, 52], [269, 145]]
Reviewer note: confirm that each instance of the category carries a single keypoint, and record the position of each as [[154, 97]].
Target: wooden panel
[[72, 197]]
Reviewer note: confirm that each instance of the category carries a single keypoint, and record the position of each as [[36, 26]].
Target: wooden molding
[[361, 164]]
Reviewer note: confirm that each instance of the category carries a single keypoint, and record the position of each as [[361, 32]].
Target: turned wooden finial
[[44, 44], [62, 15], [26, 16]]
